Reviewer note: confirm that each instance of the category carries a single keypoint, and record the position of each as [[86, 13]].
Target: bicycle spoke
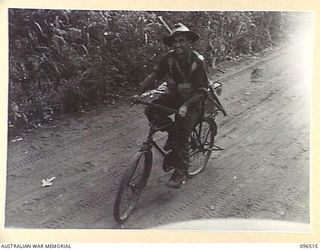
[[196, 132], [200, 126], [200, 151], [127, 200], [132, 185], [194, 153], [131, 192], [137, 177], [205, 134], [207, 143], [197, 135], [125, 204]]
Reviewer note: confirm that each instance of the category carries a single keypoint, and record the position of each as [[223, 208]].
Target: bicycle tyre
[[128, 184], [203, 133]]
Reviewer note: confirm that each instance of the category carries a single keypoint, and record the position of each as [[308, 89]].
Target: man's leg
[[183, 128], [161, 118]]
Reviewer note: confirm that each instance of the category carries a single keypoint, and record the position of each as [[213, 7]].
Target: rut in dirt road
[[262, 173]]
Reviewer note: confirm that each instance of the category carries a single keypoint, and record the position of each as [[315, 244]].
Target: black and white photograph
[[159, 120]]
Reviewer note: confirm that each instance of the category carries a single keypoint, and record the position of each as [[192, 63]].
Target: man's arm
[[196, 97], [158, 73], [145, 84]]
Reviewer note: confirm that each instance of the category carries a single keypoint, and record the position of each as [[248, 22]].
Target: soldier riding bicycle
[[184, 71]]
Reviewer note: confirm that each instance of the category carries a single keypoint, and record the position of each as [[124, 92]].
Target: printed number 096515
[[308, 246]]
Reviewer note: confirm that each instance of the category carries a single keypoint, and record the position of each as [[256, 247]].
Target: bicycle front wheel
[[201, 141], [132, 184]]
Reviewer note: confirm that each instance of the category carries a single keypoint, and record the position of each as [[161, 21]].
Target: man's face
[[181, 44]]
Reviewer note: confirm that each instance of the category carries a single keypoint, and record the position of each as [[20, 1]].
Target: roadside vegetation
[[63, 61]]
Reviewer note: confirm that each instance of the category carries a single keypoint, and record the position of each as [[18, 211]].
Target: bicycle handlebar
[[214, 85]]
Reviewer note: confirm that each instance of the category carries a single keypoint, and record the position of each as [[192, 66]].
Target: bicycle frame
[[131, 187], [149, 143]]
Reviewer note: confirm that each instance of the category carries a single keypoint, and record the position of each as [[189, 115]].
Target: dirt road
[[262, 173]]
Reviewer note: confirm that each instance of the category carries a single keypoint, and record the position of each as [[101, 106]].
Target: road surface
[[262, 173]]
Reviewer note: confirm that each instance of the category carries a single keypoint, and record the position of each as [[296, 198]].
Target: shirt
[[189, 76]]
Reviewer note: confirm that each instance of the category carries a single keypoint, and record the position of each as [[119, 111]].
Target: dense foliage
[[68, 60]]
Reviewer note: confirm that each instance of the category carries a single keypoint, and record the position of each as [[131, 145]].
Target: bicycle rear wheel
[[201, 142], [132, 184]]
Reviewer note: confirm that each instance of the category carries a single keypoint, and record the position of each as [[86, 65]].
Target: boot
[[176, 180]]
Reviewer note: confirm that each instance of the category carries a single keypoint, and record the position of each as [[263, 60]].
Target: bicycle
[[134, 180]]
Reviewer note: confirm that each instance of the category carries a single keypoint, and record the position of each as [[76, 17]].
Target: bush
[[69, 60]]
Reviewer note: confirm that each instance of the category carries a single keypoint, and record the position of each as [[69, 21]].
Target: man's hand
[[183, 110], [135, 98]]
